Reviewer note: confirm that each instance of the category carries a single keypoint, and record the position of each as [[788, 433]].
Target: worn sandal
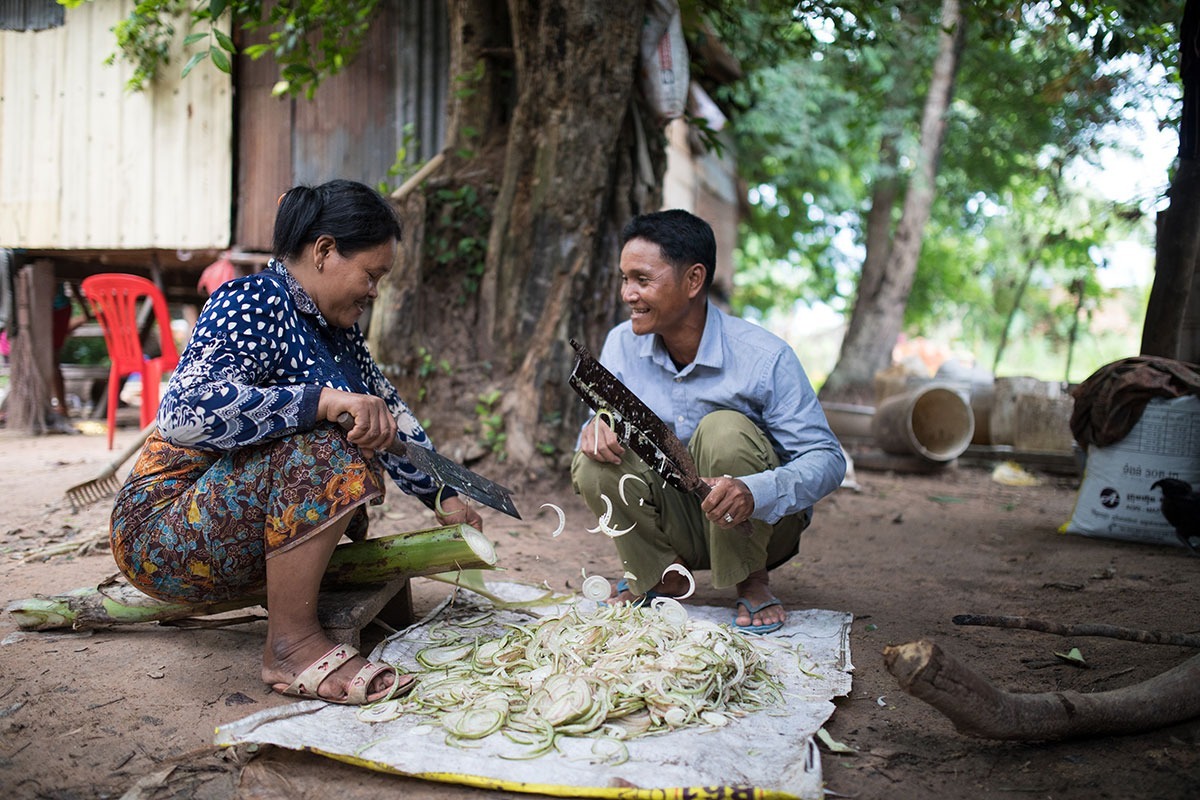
[[309, 681]]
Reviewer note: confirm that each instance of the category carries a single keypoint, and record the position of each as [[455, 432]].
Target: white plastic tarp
[[771, 750]]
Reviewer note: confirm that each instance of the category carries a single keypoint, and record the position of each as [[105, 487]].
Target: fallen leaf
[[1072, 656], [834, 745]]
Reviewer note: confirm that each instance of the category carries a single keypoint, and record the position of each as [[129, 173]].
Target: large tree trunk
[[879, 309], [552, 175], [1172, 326], [878, 246], [32, 352], [566, 192]]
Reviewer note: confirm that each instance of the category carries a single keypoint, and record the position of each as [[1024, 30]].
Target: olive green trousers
[[668, 524]]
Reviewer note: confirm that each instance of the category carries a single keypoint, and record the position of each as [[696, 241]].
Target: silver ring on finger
[[729, 519]]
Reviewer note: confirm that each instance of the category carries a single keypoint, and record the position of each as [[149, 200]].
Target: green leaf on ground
[[1072, 656], [834, 745]]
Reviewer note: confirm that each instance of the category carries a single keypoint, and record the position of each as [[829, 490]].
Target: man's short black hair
[[684, 239]]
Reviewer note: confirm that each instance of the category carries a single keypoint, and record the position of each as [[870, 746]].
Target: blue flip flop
[[757, 629]]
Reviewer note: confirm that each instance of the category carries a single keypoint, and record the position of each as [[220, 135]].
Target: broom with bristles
[[106, 484]]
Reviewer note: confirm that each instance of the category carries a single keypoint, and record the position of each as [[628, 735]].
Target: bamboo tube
[[414, 554], [372, 561]]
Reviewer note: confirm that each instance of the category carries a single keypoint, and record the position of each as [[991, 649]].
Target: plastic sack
[[664, 60], [1115, 499]]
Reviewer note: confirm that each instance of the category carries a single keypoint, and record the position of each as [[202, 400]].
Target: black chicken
[[1181, 507]]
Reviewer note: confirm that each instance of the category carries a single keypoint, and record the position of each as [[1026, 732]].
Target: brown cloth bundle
[[1110, 402]]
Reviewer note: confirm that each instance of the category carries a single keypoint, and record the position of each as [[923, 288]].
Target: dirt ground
[[131, 711]]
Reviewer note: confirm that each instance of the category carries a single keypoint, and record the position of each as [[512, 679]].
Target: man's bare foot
[[283, 662], [755, 590], [622, 595], [673, 584]]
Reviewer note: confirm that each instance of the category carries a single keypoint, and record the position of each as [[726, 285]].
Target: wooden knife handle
[[396, 448]]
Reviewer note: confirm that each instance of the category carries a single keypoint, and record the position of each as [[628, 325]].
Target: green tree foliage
[[826, 115], [1031, 96], [1027, 266], [310, 41], [820, 133]]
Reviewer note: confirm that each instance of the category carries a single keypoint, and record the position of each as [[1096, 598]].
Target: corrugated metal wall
[[353, 126], [424, 51], [30, 15], [86, 165]]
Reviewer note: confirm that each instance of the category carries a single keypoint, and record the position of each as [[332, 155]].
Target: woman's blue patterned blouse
[[254, 367]]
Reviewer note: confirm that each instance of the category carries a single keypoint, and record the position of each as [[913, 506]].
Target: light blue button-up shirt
[[741, 367]]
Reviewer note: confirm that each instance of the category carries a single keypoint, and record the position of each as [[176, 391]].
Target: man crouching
[[738, 398]]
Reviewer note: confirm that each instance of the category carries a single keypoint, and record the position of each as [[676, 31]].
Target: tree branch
[[977, 708], [415, 180], [1090, 629]]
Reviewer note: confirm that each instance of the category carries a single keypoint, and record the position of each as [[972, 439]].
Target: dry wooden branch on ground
[[81, 547], [977, 708], [1087, 629]]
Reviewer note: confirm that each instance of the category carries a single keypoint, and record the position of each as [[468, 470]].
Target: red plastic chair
[[115, 299]]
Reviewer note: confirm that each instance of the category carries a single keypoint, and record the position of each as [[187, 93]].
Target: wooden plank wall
[[264, 148], [86, 165], [354, 124], [348, 130]]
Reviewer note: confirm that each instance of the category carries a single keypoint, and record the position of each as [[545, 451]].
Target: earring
[[320, 266]]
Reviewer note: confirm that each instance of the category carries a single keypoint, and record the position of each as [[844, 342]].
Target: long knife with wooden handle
[[638, 427], [449, 473]]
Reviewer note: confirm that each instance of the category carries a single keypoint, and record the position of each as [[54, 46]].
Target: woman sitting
[[249, 479]]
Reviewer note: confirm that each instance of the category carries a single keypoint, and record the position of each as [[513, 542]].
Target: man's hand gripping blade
[[634, 423]]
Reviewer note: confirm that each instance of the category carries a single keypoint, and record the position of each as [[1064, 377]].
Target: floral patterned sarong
[[196, 526]]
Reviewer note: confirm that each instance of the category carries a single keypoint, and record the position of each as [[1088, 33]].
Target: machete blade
[[634, 423], [449, 473]]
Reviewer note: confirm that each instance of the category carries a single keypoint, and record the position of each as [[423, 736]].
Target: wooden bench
[[345, 613]]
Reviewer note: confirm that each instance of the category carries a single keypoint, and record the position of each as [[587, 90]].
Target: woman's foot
[[330, 672], [756, 606]]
